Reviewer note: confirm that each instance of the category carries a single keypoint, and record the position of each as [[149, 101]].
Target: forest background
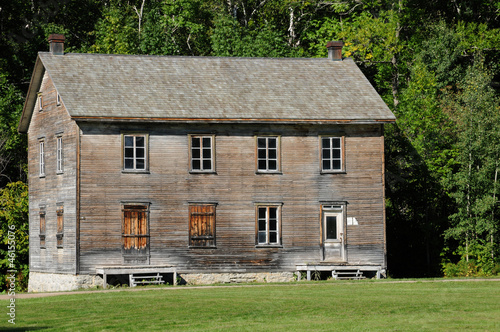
[[434, 62]]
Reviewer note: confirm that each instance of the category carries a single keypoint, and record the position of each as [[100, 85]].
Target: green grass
[[318, 306]]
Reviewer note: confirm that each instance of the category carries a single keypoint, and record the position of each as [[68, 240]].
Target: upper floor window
[[59, 155], [41, 157], [135, 152], [268, 154], [268, 224], [202, 153], [40, 101], [58, 99], [332, 154]]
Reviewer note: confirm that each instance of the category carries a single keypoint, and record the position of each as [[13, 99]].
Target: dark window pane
[[326, 164], [196, 164], [273, 212], [139, 141], [261, 153], [336, 165], [326, 143], [262, 225], [140, 164], [336, 142], [195, 142], [261, 142], [129, 163], [129, 153], [207, 165], [139, 152], [262, 237], [273, 225], [262, 165], [207, 153], [262, 213], [326, 153], [273, 237], [273, 165], [129, 141], [272, 143], [272, 153], [195, 153], [331, 227], [336, 153], [207, 142]]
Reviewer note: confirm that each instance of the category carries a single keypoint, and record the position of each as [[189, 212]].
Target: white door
[[333, 235]]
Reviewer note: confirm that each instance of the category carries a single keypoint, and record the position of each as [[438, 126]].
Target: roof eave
[[29, 104], [230, 120]]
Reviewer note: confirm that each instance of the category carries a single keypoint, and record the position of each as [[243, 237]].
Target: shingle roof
[[215, 88]]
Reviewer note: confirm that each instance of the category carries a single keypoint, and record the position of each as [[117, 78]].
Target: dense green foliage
[[434, 63], [314, 306]]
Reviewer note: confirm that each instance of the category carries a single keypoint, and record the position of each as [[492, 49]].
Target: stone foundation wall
[[55, 282], [225, 278]]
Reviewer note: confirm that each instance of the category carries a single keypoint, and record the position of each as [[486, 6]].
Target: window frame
[[134, 158], [41, 157], [267, 159], [43, 227], [201, 157], [40, 101], [60, 225], [59, 154], [267, 243], [331, 159], [203, 217], [58, 99]]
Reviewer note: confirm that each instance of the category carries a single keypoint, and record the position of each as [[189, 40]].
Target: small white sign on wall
[[352, 221]]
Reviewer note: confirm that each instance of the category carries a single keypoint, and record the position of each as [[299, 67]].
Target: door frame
[[337, 209]]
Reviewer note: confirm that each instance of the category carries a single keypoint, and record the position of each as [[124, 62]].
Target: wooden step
[[145, 279], [347, 275]]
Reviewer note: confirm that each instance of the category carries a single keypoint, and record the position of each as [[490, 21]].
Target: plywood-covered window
[[202, 153], [268, 224], [135, 226], [42, 227], [59, 155], [332, 154], [60, 225], [202, 225], [135, 152], [268, 154]]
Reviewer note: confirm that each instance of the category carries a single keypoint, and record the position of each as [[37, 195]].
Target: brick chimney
[[56, 43], [335, 50]]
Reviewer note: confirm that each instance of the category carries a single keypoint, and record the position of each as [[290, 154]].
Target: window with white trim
[[202, 153], [59, 155], [268, 224], [268, 154], [41, 157], [135, 152], [40, 102], [58, 99], [332, 154]]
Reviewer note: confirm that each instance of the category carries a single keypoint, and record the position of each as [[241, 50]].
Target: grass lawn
[[314, 306]]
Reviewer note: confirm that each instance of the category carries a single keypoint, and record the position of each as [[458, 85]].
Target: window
[[332, 155], [202, 153], [60, 225], [42, 227], [135, 230], [58, 99], [268, 152], [40, 102], [268, 224], [41, 159], [59, 155], [135, 152], [202, 225]]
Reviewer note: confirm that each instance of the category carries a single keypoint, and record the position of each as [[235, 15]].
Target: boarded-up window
[[60, 225], [135, 231], [202, 225], [42, 228]]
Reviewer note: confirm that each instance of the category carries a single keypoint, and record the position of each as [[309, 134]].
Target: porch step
[[136, 279], [348, 275]]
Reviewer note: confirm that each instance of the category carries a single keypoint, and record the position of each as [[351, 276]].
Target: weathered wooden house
[[214, 168]]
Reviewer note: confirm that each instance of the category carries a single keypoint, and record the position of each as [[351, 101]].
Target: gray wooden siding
[[236, 187], [54, 188]]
